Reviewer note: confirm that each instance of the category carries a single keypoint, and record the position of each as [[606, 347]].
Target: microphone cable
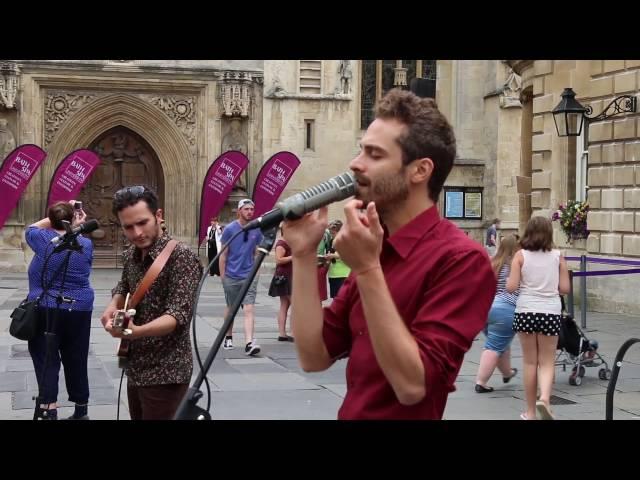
[[119, 391], [205, 274]]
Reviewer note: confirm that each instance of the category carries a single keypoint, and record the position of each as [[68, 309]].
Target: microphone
[[333, 190], [85, 227]]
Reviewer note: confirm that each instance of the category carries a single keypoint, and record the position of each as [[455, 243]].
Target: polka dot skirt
[[544, 323]]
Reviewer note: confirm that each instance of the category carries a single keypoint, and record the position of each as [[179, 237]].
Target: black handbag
[[279, 280], [24, 320]]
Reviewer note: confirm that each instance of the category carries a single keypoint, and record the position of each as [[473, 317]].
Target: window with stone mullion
[[378, 77]]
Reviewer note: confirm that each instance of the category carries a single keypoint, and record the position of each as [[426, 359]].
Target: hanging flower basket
[[573, 219]]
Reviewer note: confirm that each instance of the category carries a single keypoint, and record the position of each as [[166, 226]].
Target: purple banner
[[220, 179], [272, 180], [16, 172], [71, 175]]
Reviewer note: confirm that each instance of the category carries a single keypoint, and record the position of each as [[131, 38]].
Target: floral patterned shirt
[[167, 359]]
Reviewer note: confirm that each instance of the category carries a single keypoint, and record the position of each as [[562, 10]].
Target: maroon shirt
[[442, 285], [287, 268]]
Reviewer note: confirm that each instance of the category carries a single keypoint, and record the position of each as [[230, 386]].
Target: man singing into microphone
[[419, 289]]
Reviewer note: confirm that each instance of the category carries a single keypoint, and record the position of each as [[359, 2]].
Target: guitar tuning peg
[[131, 312]]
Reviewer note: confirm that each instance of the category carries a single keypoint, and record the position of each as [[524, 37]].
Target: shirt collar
[[155, 249], [410, 234]]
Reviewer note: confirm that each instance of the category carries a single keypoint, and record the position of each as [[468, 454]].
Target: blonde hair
[[509, 245]]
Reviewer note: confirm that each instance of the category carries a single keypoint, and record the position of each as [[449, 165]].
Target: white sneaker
[[228, 343], [252, 348]]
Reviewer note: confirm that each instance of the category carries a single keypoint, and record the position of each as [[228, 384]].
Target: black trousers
[[213, 251], [69, 345]]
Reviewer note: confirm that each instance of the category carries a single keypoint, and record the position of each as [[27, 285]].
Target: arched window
[[379, 76]]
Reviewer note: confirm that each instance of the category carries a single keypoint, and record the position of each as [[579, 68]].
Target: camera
[[77, 210]]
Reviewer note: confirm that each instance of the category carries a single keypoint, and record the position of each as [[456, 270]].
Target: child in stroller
[[577, 350]]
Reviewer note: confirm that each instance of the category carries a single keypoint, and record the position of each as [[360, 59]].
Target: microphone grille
[[345, 183]]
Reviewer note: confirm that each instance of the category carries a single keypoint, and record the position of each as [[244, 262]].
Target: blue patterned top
[[501, 292], [76, 285]]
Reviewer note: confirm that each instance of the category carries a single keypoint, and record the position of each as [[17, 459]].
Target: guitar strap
[[153, 272]]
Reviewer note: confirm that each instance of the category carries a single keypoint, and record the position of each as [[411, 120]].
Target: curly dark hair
[[129, 196], [428, 134], [58, 212]]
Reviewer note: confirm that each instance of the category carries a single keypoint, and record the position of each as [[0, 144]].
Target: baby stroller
[[577, 350]]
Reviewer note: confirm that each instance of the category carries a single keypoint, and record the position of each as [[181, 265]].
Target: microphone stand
[[71, 245], [188, 409]]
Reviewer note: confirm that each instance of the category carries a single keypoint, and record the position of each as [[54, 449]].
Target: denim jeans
[[499, 329]]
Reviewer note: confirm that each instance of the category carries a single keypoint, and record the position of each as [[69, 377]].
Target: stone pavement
[[272, 386]]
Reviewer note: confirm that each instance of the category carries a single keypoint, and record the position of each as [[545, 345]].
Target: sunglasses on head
[[136, 190]]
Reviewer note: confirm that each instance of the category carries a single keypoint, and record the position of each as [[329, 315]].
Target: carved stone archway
[[163, 136]]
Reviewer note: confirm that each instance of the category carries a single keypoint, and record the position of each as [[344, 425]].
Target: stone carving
[[8, 84], [58, 107], [235, 138], [276, 90], [345, 73], [235, 93], [399, 75], [182, 111], [7, 140], [510, 90]]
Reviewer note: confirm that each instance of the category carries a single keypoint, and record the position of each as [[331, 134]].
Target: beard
[[388, 193]]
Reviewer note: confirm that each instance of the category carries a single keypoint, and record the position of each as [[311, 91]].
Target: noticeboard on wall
[[463, 202]]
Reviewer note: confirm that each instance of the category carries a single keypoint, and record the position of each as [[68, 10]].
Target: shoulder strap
[[153, 272]]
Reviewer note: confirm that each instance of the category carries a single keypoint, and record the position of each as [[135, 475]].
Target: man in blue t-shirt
[[490, 241], [236, 263]]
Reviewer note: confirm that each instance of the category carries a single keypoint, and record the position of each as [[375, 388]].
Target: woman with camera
[[281, 286], [60, 280]]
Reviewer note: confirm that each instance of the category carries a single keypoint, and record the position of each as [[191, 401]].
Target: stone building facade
[[607, 173], [160, 123], [164, 122], [313, 110]]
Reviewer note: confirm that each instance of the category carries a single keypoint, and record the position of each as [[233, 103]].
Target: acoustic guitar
[[124, 316], [121, 321]]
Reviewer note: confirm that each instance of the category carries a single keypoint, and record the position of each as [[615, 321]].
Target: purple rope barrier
[[606, 261], [611, 261], [597, 273]]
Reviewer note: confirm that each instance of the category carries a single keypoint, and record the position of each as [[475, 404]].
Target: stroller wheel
[[575, 380], [604, 374], [582, 371]]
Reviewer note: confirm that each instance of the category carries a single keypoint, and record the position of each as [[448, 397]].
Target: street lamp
[[569, 115]]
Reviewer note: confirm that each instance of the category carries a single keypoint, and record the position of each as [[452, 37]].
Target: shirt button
[[360, 332]]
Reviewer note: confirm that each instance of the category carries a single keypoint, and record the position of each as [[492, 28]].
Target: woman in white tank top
[[540, 271]]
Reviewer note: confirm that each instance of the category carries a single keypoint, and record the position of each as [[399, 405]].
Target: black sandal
[[514, 372], [481, 389]]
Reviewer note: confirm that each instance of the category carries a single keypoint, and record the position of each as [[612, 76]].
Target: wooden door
[[126, 159]]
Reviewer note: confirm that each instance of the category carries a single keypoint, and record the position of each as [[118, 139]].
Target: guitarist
[[160, 359]]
